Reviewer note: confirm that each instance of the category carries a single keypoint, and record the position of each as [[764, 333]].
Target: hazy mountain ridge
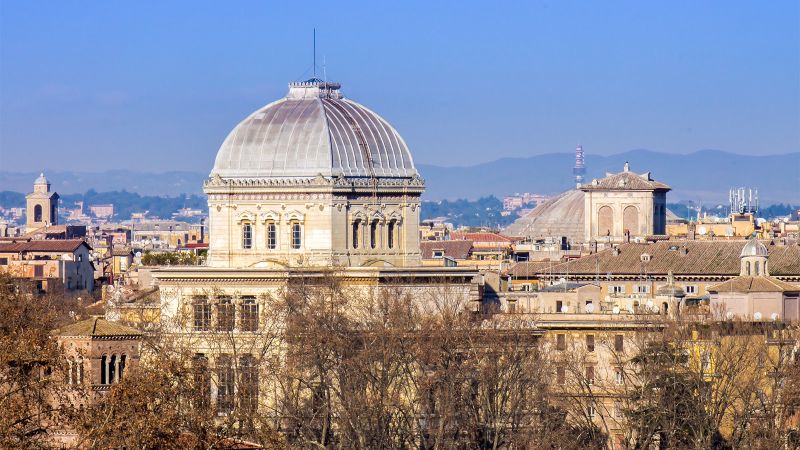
[[703, 176]]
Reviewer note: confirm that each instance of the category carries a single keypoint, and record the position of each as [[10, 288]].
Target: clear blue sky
[[157, 85]]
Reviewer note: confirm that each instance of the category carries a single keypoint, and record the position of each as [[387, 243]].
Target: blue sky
[[156, 86]]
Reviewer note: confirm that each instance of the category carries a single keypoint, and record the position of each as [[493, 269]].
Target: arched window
[[748, 268], [104, 369], [112, 369], [605, 221], [37, 213], [122, 366], [272, 236], [665, 307], [356, 228], [390, 233], [373, 234], [80, 370], [297, 236], [68, 372], [247, 236], [758, 268]]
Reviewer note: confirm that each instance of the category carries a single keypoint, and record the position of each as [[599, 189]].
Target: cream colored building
[[624, 205], [314, 179], [613, 209], [42, 206], [308, 187]]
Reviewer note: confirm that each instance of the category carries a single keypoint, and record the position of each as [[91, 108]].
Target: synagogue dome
[[313, 131]]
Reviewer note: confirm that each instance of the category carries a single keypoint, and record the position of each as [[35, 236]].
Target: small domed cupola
[[754, 259]]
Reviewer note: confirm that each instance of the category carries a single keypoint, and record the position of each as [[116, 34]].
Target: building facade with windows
[[308, 188], [314, 179]]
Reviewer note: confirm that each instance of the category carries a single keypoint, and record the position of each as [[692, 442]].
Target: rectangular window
[[642, 289], [619, 376], [3, 261], [589, 342], [618, 409], [225, 385], [390, 234], [38, 271], [590, 374], [247, 236], [561, 375], [202, 381], [249, 316], [617, 289], [691, 289], [561, 342], [202, 314], [297, 237], [225, 314], [272, 236], [559, 305], [619, 343], [248, 386], [438, 253]]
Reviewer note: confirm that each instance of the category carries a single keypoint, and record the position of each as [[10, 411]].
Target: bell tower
[[42, 206]]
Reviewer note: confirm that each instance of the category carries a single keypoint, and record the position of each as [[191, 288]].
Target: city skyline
[[158, 88]]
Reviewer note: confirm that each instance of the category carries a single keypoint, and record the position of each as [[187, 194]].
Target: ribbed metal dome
[[754, 248], [313, 130]]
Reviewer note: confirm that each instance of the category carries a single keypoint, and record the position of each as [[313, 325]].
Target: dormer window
[[438, 253]]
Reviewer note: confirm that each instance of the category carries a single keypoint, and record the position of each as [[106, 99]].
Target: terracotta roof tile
[[55, 245], [483, 237], [454, 249], [625, 181], [96, 327], [699, 258], [754, 284]]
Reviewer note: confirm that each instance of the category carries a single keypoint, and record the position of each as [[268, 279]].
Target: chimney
[[683, 250], [615, 251], [627, 236], [692, 231]]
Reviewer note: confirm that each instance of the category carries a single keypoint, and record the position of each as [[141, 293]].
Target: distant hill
[[703, 176], [162, 184]]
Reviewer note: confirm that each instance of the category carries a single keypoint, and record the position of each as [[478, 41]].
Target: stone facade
[[42, 206], [624, 206], [254, 223]]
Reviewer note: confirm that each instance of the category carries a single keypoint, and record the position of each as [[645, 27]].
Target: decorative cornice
[[218, 184]]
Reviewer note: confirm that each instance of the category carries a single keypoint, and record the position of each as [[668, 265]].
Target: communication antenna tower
[[580, 169], [743, 200]]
